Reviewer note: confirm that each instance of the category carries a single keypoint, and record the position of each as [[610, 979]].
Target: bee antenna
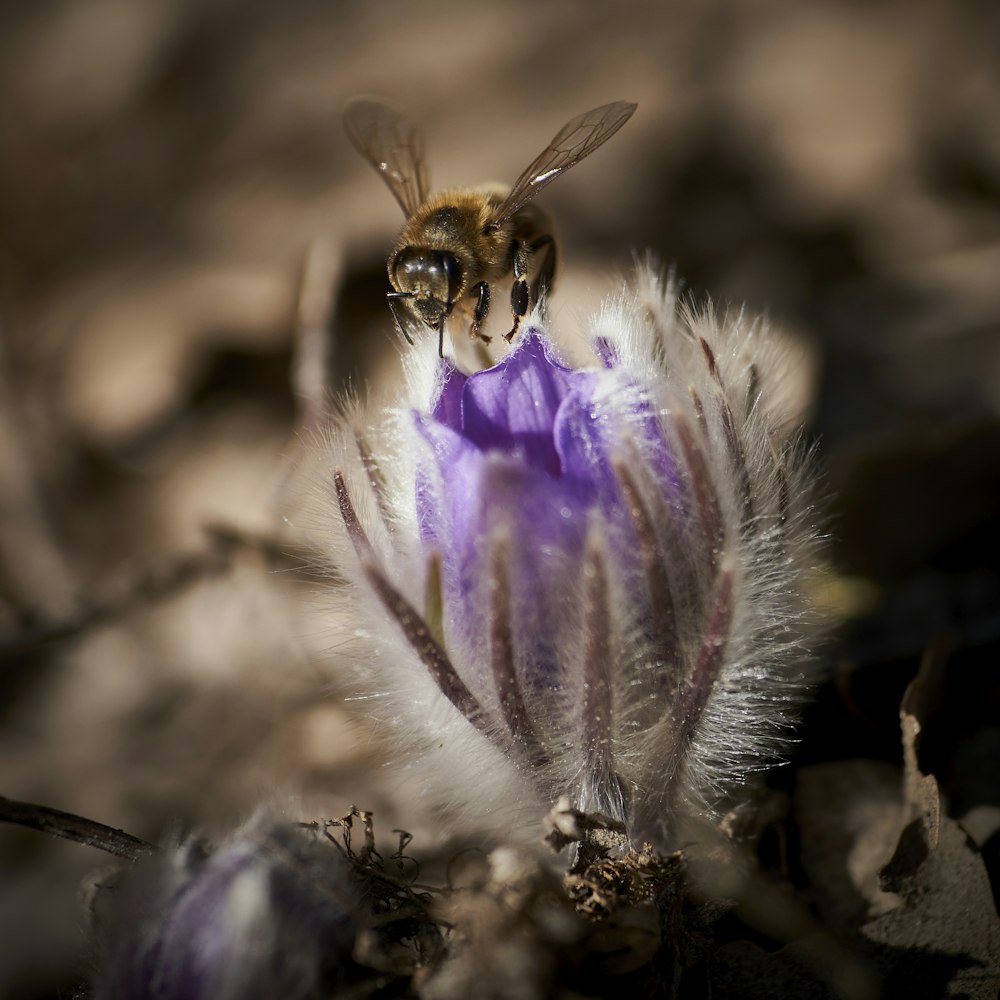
[[441, 337], [400, 325]]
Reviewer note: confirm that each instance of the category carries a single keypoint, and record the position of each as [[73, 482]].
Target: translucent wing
[[574, 141], [392, 145]]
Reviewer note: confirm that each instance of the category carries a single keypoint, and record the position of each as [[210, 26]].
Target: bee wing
[[392, 145], [576, 140]]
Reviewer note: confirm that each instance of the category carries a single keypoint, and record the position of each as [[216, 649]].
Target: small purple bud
[[262, 916]]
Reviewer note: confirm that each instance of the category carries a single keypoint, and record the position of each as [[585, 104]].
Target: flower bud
[[264, 915], [587, 581]]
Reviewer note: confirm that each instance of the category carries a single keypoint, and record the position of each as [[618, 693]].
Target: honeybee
[[456, 244]]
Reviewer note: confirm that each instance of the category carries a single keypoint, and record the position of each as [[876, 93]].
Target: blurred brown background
[[165, 168]]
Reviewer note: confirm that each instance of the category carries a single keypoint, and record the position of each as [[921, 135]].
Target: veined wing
[[576, 140], [392, 145]]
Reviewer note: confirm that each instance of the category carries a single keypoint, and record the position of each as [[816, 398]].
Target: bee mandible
[[456, 244]]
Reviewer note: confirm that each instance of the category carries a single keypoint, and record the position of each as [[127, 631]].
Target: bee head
[[433, 278]]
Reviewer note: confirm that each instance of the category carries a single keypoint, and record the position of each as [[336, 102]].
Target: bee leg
[[482, 307], [519, 296], [542, 284]]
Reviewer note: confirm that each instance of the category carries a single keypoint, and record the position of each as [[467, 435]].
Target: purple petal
[[592, 430], [580, 436], [546, 525], [199, 932], [447, 406], [528, 448], [447, 488], [512, 406]]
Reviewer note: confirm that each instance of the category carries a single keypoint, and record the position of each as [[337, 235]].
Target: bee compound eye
[[410, 263], [449, 266]]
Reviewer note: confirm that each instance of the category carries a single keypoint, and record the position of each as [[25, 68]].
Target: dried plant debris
[[922, 917], [887, 868], [921, 790], [315, 910], [944, 938], [618, 923], [946, 925]]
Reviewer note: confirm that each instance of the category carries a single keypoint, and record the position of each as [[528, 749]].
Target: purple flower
[[520, 461], [602, 570], [261, 916]]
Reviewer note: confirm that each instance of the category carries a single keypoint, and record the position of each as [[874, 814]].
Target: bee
[[456, 244]]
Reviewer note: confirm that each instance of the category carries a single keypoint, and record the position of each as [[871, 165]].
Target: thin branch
[[75, 828], [152, 585]]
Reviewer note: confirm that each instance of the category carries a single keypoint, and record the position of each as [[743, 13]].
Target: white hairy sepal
[[743, 377], [436, 757]]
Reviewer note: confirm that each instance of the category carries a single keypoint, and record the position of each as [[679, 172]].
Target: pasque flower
[[587, 581], [268, 913]]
